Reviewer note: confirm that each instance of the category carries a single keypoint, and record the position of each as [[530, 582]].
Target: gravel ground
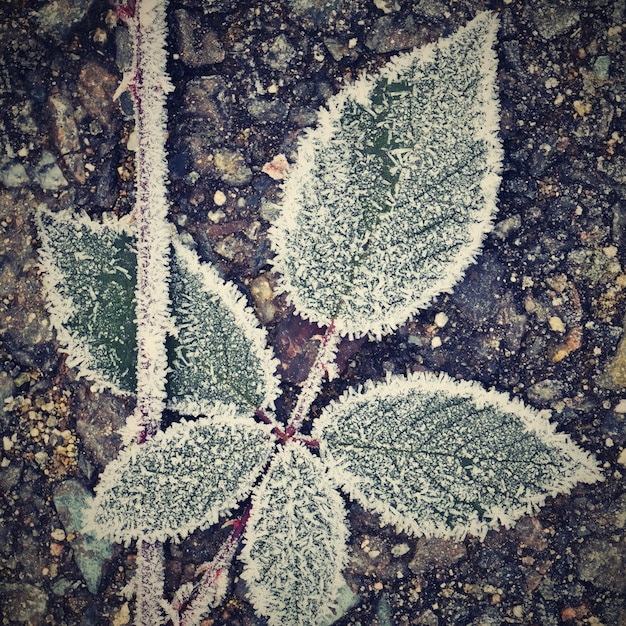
[[540, 315]]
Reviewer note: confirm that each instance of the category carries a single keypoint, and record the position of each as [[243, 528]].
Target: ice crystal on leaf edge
[[379, 225], [437, 457], [184, 478], [197, 290]]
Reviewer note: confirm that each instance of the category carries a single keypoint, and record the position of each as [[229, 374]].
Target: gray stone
[[554, 18], [23, 603], [123, 49], [268, 111], [7, 388], [231, 167], [383, 611], [346, 600], [602, 563], [208, 99], [436, 552], [13, 174], [390, 34], [279, 54], [601, 67], [66, 136], [48, 174], [99, 418], [614, 168], [10, 475], [546, 391], [595, 126], [320, 13], [71, 499], [197, 45], [339, 49], [430, 9], [58, 17], [475, 296]]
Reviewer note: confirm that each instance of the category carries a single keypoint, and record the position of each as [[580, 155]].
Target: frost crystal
[[295, 542], [89, 272], [181, 479], [219, 353], [392, 193], [436, 457]]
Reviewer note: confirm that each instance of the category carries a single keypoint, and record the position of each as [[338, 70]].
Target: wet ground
[[541, 314]]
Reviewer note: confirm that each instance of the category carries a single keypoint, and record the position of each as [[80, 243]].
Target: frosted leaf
[[89, 271], [219, 351], [295, 542], [393, 192], [182, 479], [436, 457]]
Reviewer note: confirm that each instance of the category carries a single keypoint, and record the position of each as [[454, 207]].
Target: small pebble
[[219, 198], [441, 319], [400, 550], [556, 324], [435, 342]]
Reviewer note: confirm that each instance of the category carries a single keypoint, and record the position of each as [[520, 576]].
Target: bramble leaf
[[182, 479], [393, 192], [89, 270], [295, 542], [437, 457], [220, 353]]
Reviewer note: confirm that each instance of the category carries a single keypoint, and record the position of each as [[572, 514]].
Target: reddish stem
[[191, 609]]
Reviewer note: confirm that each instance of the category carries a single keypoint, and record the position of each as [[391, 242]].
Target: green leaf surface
[[89, 270], [182, 479], [219, 353], [295, 542], [393, 192], [435, 457]]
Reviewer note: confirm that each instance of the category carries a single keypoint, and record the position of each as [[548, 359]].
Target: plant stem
[[150, 573], [329, 342], [208, 592], [148, 83]]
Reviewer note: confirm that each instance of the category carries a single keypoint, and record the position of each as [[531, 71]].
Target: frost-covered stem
[[149, 84], [150, 572], [209, 591], [324, 365]]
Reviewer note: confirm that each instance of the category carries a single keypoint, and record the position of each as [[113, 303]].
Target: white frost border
[[60, 308], [246, 320], [314, 140], [293, 455], [535, 421], [226, 415]]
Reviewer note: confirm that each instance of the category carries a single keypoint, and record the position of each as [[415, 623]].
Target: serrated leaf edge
[[237, 304], [258, 594], [536, 421], [228, 415], [313, 140], [60, 309]]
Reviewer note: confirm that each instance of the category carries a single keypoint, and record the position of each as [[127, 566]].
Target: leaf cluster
[[385, 208]]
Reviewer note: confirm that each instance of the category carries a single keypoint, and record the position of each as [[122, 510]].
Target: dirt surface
[[540, 315]]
